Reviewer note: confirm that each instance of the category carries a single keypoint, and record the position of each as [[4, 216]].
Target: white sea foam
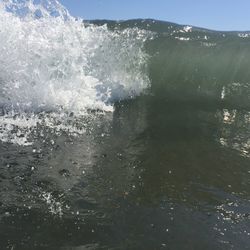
[[21, 129], [55, 207], [49, 61]]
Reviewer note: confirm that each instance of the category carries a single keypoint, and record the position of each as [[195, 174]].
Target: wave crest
[[55, 63]]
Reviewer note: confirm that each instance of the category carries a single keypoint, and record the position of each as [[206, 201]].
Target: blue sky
[[213, 14]]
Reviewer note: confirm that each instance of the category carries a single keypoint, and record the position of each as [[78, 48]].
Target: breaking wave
[[55, 66], [51, 62]]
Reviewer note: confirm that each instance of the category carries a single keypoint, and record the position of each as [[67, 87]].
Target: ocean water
[[121, 135]]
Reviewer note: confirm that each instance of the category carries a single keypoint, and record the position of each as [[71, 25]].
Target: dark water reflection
[[154, 175]]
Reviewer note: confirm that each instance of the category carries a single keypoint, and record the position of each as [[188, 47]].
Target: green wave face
[[193, 64]]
